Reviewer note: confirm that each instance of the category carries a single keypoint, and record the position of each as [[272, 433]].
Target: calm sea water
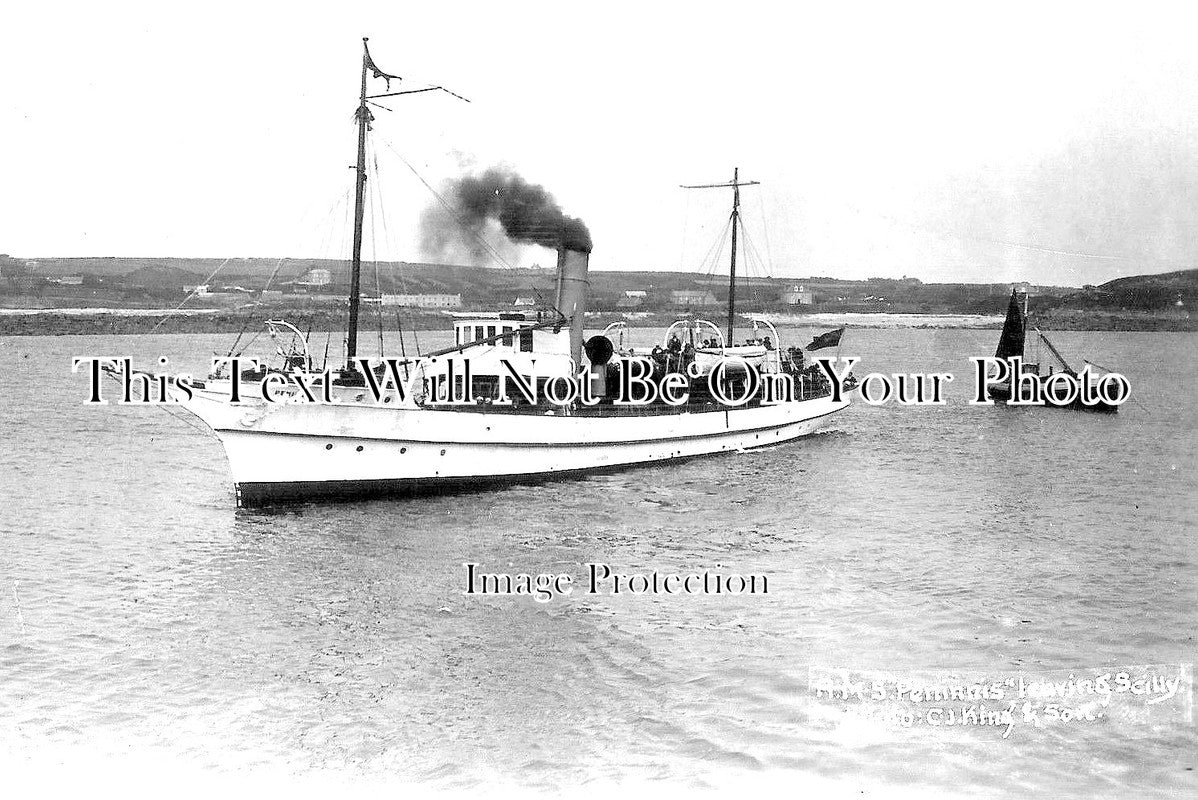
[[145, 620]]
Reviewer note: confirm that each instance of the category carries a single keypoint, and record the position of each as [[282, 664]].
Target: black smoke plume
[[525, 212]]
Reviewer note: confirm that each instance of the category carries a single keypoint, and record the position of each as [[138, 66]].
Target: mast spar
[[355, 273], [735, 185]]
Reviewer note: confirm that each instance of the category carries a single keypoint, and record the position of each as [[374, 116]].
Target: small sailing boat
[[1048, 362]]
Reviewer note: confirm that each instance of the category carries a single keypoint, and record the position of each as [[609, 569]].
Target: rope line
[[765, 228], [184, 419], [378, 291], [191, 294], [445, 204]]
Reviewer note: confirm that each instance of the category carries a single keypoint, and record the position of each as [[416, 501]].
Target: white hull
[[307, 451]]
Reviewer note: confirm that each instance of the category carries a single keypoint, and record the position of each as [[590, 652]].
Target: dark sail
[[829, 339], [1011, 341]]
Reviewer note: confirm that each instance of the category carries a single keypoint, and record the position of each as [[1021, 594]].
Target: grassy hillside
[[1169, 293], [1140, 302]]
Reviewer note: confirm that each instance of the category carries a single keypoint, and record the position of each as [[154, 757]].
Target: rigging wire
[[765, 229], [374, 252], [445, 204], [184, 419], [191, 294], [179, 416], [253, 339], [685, 221], [752, 259], [249, 315], [390, 236], [1037, 248], [326, 223], [339, 202], [395, 269], [273, 273], [346, 256], [248, 319], [712, 258]]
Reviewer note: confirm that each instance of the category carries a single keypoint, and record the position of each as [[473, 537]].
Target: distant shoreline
[[77, 322]]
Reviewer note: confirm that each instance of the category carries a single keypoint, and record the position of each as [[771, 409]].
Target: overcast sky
[[1009, 142]]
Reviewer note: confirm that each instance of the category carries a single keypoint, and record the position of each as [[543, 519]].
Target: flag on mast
[[829, 339]]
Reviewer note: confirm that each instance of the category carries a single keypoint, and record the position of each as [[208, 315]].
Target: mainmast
[[735, 184], [364, 117], [732, 267], [355, 273]]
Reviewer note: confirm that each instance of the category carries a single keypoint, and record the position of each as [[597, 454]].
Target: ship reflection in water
[[145, 618]]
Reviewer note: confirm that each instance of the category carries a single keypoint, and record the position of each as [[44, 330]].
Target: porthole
[[403, 450], [359, 448], [442, 452], [328, 447]]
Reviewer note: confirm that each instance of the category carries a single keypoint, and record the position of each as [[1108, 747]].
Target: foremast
[[364, 118], [735, 184]]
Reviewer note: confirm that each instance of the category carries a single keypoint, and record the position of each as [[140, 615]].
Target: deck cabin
[[536, 353], [480, 326]]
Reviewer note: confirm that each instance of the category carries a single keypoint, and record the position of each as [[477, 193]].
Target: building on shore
[[629, 303], [422, 300], [313, 279], [798, 295], [693, 298]]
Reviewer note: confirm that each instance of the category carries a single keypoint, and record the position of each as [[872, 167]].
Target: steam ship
[[333, 436]]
